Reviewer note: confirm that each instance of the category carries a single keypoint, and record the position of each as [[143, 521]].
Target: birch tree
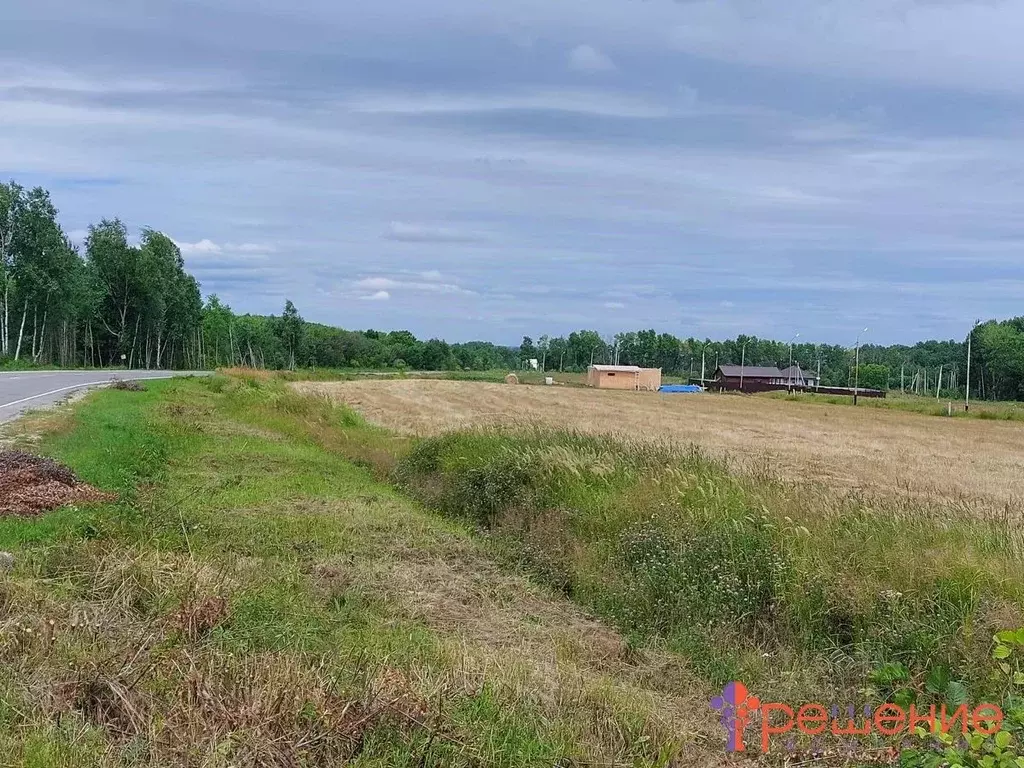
[[12, 204]]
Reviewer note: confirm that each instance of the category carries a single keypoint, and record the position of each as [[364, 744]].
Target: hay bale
[[511, 379]]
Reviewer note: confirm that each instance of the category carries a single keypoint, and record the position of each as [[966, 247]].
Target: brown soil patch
[[31, 484], [866, 449]]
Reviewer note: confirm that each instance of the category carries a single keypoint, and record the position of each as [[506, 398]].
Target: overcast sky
[[486, 170]]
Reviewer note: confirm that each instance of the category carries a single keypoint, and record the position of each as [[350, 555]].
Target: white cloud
[[370, 283], [587, 58], [204, 246], [209, 247], [614, 305], [17, 77], [428, 285], [585, 101], [424, 233], [378, 296], [432, 275]]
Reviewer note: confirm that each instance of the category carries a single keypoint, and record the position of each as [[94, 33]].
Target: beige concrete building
[[624, 377]]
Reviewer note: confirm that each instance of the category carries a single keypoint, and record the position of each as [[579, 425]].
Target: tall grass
[[750, 576]]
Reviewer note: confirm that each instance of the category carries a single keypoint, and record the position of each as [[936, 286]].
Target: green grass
[[929, 406], [259, 597], [285, 583]]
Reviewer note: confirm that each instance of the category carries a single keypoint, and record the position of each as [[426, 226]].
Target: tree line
[[913, 368], [118, 302], [113, 303]]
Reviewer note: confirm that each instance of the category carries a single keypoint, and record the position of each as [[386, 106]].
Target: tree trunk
[[35, 329], [21, 333], [5, 334], [42, 335], [135, 338]]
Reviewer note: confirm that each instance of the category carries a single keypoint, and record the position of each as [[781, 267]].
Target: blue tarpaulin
[[687, 389]]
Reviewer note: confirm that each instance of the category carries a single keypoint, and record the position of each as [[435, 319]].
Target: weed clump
[[723, 571]]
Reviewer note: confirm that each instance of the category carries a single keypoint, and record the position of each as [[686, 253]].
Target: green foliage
[[873, 376], [981, 748], [291, 329]]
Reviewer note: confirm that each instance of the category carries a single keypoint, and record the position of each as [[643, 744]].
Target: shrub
[[720, 571]]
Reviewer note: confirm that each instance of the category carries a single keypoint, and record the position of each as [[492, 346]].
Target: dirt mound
[[31, 484]]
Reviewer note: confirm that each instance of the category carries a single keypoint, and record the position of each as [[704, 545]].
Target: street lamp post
[[856, 368], [790, 370]]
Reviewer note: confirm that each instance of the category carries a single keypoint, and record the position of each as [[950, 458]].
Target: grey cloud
[[788, 158], [587, 58]]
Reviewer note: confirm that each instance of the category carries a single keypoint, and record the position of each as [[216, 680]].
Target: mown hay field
[[974, 462]]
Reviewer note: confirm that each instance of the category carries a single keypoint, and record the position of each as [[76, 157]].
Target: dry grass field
[[867, 449]]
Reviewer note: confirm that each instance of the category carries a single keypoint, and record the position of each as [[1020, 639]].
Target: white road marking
[[73, 386]]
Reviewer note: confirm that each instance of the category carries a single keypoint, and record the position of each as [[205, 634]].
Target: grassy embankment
[[929, 406], [255, 598], [267, 543]]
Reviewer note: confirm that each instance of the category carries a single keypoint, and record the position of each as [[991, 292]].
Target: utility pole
[[790, 370], [938, 385], [903, 367], [743, 362], [856, 368], [967, 398]]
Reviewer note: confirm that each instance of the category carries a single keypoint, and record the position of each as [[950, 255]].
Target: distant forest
[[114, 303]]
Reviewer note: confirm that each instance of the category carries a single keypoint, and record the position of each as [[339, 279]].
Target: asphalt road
[[21, 391]]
